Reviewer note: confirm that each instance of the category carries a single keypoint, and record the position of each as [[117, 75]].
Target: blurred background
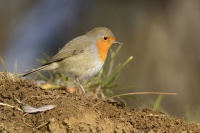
[[162, 35]]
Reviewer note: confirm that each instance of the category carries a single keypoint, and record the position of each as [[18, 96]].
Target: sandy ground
[[75, 113]]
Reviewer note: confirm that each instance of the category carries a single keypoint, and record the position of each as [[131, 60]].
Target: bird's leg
[[80, 85]]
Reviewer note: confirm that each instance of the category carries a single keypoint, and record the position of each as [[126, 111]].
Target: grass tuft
[[191, 116]]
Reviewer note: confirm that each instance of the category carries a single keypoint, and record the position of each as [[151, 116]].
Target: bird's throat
[[102, 48]]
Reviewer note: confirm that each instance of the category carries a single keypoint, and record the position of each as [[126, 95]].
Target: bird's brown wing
[[72, 48], [61, 55]]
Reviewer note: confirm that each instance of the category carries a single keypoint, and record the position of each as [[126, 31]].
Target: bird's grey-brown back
[[73, 47]]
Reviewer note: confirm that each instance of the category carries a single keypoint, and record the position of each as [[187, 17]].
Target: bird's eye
[[105, 38]]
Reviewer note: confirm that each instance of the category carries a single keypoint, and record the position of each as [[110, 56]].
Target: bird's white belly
[[82, 68]]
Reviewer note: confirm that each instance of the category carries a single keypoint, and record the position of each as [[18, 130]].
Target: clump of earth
[[75, 113]]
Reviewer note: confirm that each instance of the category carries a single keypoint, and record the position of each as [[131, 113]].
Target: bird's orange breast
[[102, 47]]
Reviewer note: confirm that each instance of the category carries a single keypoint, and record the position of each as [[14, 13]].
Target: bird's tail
[[35, 70]]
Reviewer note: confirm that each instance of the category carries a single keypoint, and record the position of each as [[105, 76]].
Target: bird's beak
[[119, 43]]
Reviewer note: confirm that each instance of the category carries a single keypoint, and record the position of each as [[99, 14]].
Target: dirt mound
[[75, 113]]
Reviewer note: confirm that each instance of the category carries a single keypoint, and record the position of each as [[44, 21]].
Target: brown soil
[[74, 113]]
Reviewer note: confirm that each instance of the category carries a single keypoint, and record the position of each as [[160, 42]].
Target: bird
[[82, 57]]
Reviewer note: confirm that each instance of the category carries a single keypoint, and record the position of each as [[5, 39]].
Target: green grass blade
[[113, 55], [158, 102], [42, 61], [3, 63], [42, 76], [188, 114]]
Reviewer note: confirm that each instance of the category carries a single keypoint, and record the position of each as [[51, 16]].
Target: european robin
[[82, 57]]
